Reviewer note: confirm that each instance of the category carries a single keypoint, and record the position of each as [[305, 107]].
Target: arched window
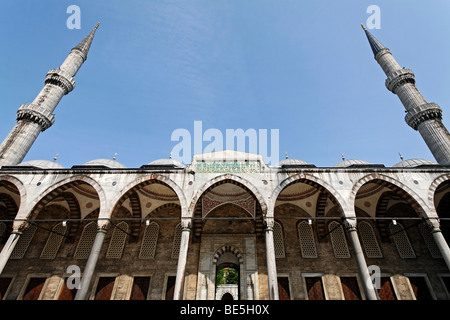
[[369, 240], [338, 240], [278, 240], [405, 250], [23, 242], [307, 243], [54, 241], [86, 241], [176, 242], [429, 241], [148, 246], [118, 239]]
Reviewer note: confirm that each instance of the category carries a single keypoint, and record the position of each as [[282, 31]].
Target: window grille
[[307, 242], [54, 241], [23, 242], [148, 246], [278, 240], [86, 241], [369, 240], [405, 250], [429, 241], [176, 242], [117, 242], [338, 240]]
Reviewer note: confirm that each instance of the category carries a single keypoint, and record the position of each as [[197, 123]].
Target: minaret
[[421, 115], [32, 118]]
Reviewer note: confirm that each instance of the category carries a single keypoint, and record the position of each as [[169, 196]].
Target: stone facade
[[293, 197]]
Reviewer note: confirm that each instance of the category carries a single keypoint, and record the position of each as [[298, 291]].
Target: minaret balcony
[[398, 78]]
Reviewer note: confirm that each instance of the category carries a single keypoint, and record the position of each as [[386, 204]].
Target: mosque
[[227, 226]]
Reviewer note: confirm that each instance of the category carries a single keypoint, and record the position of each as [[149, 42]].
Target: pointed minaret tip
[[362, 26], [85, 44]]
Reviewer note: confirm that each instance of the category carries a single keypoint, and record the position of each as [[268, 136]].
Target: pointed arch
[[59, 188], [321, 185], [245, 184], [416, 202]]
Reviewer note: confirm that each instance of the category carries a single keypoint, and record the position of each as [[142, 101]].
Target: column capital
[[349, 223]]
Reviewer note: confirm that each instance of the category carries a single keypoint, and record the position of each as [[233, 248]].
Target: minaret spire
[[32, 118], [376, 45], [420, 115], [85, 44]]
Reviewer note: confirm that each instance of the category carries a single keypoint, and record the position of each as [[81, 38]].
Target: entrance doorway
[[227, 281]]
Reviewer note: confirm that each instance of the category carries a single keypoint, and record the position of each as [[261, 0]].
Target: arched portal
[[228, 214]]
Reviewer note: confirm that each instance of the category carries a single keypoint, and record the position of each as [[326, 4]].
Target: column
[[182, 259], [8, 249], [91, 263], [440, 241], [369, 289], [271, 264]]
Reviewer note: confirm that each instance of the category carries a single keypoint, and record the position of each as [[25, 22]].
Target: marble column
[[271, 262], [182, 259]]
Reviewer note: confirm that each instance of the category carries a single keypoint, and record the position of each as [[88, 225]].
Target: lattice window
[[429, 241], [2, 228], [86, 241], [23, 242], [369, 240], [278, 240], [307, 243], [338, 240], [148, 246], [176, 242], [405, 250], [118, 239], [54, 241]]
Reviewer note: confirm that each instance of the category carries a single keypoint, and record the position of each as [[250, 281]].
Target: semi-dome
[[290, 162], [350, 162], [412, 163], [42, 164], [167, 162], [112, 164]]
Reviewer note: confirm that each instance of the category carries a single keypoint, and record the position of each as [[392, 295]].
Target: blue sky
[[302, 67]]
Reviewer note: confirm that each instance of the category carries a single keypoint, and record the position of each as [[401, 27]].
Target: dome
[[290, 162], [412, 163], [350, 162], [167, 162], [42, 164], [112, 164]]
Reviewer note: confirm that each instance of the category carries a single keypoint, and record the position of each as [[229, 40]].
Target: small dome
[[412, 163], [290, 162], [350, 162], [112, 164], [42, 164], [167, 162]]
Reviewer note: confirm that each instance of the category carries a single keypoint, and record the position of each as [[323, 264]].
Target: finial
[[343, 158], [96, 26], [170, 156], [401, 157], [115, 155], [287, 156], [362, 26], [56, 157]]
